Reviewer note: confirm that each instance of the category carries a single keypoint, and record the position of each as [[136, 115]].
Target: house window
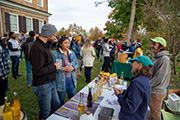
[[30, 1], [14, 22], [41, 23], [40, 3], [29, 24]]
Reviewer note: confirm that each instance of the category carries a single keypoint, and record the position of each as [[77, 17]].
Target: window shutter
[[7, 22], [20, 23], [37, 26], [34, 25], [24, 24], [44, 22]]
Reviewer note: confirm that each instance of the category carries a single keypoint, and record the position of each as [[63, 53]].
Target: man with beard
[[44, 72], [14, 53], [161, 72]]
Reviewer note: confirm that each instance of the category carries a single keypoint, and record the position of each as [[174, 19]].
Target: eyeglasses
[[153, 43]]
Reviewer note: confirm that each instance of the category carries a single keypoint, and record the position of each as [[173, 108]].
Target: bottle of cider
[[100, 86], [89, 98], [81, 105], [7, 111], [16, 107], [121, 82], [96, 91]]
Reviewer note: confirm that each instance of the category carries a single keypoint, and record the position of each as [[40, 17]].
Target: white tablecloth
[[107, 94]]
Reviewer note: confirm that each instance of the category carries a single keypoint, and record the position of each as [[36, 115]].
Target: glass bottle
[[89, 98], [16, 107], [100, 86], [7, 111], [95, 91], [81, 105], [121, 82]]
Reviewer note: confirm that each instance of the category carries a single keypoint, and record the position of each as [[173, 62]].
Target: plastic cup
[[58, 60]]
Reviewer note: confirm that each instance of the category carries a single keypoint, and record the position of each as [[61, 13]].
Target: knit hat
[[160, 40], [48, 30], [78, 38], [143, 59]]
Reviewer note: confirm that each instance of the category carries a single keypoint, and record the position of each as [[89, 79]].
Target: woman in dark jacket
[[135, 100]]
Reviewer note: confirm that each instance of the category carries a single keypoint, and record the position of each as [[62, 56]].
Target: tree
[[95, 33], [163, 18], [73, 30], [123, 17], [130, 28]]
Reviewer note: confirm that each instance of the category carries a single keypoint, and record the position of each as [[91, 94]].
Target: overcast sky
[[82, 12]]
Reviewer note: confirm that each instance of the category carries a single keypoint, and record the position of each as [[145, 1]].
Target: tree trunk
[[175, 63], [134, 34], [130, 28]]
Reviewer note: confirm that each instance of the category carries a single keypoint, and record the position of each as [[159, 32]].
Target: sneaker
[[14, 78], [29, 85], [19, 75]]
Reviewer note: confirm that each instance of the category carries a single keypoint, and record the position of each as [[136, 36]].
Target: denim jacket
[[60, 74], [76, 49]]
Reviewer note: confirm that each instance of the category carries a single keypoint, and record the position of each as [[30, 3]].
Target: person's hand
[[70, 68], [58, 65], [117, 91], [19, 48], [66, 69]]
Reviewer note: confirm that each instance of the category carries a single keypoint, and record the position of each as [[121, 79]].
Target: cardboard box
[[122, 57]]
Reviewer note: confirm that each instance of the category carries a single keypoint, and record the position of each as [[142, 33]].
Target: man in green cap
[[161, 72]]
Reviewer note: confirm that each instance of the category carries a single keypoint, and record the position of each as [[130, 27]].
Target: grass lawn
[[26, 96], [28, 99]]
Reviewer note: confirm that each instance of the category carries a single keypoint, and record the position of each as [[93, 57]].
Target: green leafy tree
[[123, 17], [162, 17]]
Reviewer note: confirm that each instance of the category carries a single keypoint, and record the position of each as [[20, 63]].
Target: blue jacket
[[131, 48], [135, 100], [60, 74], [76, 49]]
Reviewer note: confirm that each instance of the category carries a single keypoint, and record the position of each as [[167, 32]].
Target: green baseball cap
[[159, 40], [143, 59]]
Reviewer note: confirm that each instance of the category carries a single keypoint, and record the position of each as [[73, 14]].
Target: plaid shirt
[[4, 65]]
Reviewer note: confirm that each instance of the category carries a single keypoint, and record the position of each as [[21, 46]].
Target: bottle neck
[[81, 99]]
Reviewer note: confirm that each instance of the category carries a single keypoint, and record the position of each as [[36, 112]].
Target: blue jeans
[[7, 53], [69, 88], [101, 56], [21, 52], [98, 51], [87, 72], [28, 72], [15, 65], [106, 64], [47, 99]]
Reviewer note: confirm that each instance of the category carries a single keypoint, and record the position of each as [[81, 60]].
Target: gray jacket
[[106, 50], [161, 72]]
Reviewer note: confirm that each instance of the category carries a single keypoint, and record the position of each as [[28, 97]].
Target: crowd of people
[[56, 73]]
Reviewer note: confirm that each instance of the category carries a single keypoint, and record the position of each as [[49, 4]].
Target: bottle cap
[[88, 113], [81, 92]]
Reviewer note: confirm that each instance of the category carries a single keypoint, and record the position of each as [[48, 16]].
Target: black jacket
[[43, 68], [27, 47]]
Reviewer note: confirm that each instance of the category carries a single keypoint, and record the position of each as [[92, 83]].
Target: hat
[[142, 59], [48, 30], [159, 40], [78, 38]]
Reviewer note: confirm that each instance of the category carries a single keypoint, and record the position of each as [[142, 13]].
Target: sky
[[81, 12]]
